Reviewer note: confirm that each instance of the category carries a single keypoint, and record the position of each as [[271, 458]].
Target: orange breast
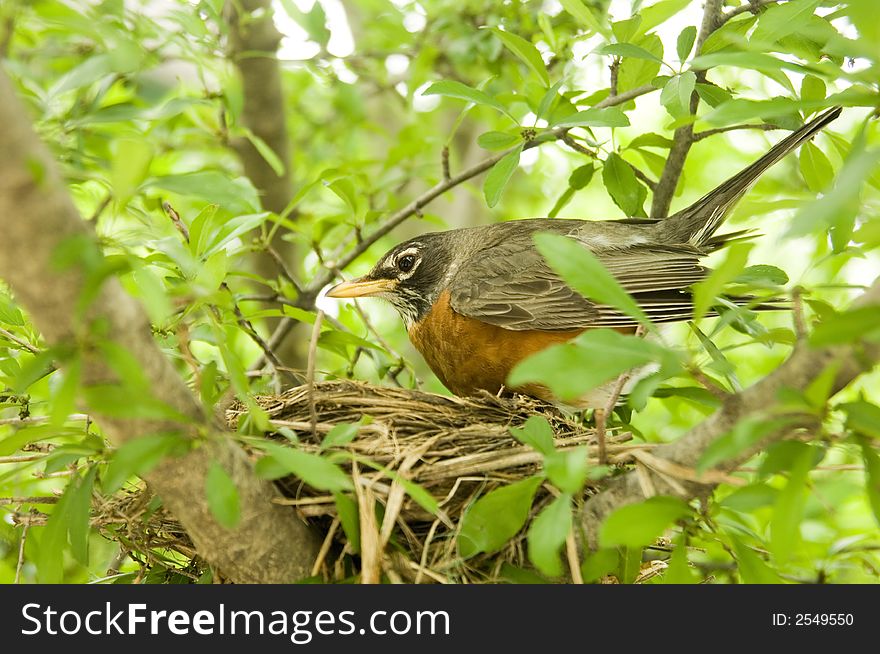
[[468, 354]]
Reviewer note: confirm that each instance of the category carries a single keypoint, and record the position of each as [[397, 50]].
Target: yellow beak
[[362, 287]]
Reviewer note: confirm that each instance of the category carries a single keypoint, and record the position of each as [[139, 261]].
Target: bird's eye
[[406, 263]]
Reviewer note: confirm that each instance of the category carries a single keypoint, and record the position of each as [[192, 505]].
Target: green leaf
[[623, 186], [341, 434], [812, 88], [762, 275], [222, 496], [637, 525], [547, 535], [567, 469], [685, 42], [349, 518], [78, 512], [628, 50], [498, 177], [129, 167], [635, 72], [749, 498], [707, 290], [526, 52], [584, 15], [453, 89], [678, 571], [751, 568], [604, 117], [676, 94], [780, 20], [237, 195], [789, 508], [64, 395], [314, 470], [581, 176], [599, 564], [268, 154], [498, 140], [136, 457], [838, 207], [863, 418], [745, 434], [815, 167], [571, 369], [582, 271], [536, 432], [872, 476], [847, 327], [496, 517], [659, 12]]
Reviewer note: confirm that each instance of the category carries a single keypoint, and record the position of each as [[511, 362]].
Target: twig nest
[[454, 448]]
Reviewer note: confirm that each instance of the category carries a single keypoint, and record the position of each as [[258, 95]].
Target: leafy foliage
[[143, 113]]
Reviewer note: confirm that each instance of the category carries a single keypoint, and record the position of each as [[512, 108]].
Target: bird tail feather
[[697, 223]]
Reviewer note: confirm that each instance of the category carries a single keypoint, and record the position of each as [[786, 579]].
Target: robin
[[476, 301]]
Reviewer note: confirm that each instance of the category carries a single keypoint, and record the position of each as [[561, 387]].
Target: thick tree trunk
[[37, 218]]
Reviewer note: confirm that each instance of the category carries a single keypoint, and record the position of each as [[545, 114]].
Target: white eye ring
[[406, 262]]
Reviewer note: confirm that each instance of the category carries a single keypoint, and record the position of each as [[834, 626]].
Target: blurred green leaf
[[498, 140], [349, 518], [815, 167], [637, 525], [137, 457], [847, 327], [496, 517], [751, 568], [547, 535], [453, 89], [862, 417], [584, 15], [569, 370], [535, 432], [628, 50], [623, 186], [607, 117], [222, 496], [872, 476], [498, 177], [313, 469], [567, 469], [789, 508], [780, 20], [526, 52], [711, 287]]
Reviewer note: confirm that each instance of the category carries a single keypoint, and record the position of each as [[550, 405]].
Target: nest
[[454, 448]]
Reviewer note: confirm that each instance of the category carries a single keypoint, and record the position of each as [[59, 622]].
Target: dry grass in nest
[[455, 448]]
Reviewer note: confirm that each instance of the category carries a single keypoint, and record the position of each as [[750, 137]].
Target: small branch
[[797, 313], [282, 268], [699, 136], [47, 499], [20, 564], [310, 372], [175, 218], [444, 163], [752, 6], [9, 336], [614, 69], [683, 137]]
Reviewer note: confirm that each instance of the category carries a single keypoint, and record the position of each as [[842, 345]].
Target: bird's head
[[410, 276]]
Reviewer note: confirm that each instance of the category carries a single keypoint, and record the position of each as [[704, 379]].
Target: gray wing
[[509, 284]]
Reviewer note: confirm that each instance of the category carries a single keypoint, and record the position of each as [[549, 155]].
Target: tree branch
[[683, 137], [766, 127], [253, 43], [38, 222], [802, 367], [752, 6]]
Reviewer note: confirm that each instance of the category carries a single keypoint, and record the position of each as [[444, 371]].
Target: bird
[[478, 300]]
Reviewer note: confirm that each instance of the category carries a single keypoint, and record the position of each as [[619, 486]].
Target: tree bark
[[252, 48], [38, 220]]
